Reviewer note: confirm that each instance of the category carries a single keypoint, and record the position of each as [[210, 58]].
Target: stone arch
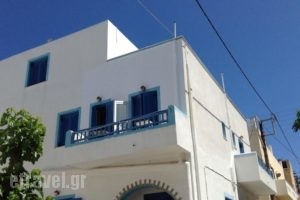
[[140, 184]]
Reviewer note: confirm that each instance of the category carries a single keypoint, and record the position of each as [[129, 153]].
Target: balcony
[[285, 191], [151, 120], [157, 137], [253, 175]]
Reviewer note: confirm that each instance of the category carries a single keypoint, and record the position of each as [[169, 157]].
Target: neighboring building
[[147, 123], [282, 169]]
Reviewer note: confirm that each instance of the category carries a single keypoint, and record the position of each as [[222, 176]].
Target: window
[[67, 121], [37, 70], [233, 139], [284, 164], [227, 198], [144, 103], [158, 196], [241, 146], [102, 114], [224, 130]]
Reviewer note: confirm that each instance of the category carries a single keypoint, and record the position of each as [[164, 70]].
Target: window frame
[[157, 89], [47, 55], [78, 109]]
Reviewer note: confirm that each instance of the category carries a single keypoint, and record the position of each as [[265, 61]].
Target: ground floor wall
[[133, 182], [120, 183]]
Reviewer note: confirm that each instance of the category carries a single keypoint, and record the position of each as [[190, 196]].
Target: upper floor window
[[223, 130], [144, 103], [37, 70], [67, 121], [102, 114], [233, 139], [241, 146], [284, 164]]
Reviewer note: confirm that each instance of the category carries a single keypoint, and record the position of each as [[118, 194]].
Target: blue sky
[[262, 35]]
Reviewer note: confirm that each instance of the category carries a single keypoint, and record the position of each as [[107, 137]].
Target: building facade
[[133, 124]]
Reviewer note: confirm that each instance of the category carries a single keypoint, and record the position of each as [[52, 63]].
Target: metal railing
[[117, 128], [264, 166]]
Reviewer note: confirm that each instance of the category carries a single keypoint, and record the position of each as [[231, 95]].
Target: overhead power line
[[248, 80], [233, 58]]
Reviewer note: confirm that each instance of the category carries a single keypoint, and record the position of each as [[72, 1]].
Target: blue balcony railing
[[164, 117], [264, 166]]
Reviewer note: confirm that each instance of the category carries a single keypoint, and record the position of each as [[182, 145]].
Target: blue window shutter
[[149, 102], [109, 112], [136, 106], [37, 71], [67, 122], [43, 69], [33, 73]]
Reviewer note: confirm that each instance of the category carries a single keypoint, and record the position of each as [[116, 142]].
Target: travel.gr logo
[[73, 182]]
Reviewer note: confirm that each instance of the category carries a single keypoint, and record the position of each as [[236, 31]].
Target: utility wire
[[156, 18], [233, 58], [246, 77], [284, 136], [287, 149]]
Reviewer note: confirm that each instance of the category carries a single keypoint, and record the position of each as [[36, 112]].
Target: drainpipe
[[195, 150], [189, 177]]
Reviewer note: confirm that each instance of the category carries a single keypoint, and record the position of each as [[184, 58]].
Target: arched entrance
[[148, 190]]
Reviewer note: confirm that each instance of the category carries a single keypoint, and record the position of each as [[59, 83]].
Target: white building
[[147, 123]]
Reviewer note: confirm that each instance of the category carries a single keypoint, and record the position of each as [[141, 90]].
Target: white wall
[[210, 107], [79, 72], [117, 43], [107, 183]]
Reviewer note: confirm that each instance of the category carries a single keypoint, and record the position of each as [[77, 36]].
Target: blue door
[[67, 122], [102, 114]]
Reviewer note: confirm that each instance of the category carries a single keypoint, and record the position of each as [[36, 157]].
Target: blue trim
[[58, 123], [96, 104], [62, 197], [171, 118], [28, 68], [157, 89]]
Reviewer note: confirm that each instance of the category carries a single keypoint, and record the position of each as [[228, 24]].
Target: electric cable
[[246, 77]]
